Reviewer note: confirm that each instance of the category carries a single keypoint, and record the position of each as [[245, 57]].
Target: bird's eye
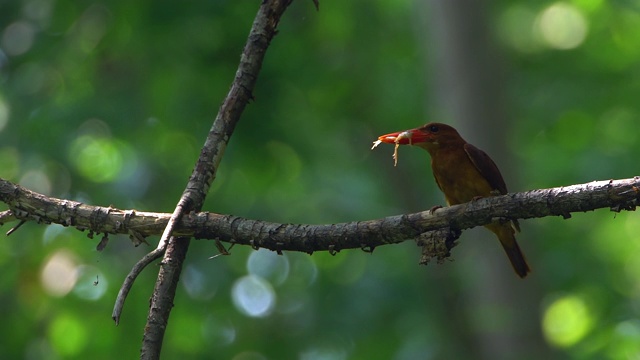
[[434, 128]]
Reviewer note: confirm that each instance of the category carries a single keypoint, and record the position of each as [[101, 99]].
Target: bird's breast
[[458, 178]]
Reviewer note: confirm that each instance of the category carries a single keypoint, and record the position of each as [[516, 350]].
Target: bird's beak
[[407, 137]]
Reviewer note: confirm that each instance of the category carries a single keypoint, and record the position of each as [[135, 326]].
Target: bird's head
[[431, 137]]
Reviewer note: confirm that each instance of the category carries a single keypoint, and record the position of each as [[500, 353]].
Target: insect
[[396, 140]]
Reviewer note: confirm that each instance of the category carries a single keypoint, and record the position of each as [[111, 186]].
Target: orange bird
[[463, 173]]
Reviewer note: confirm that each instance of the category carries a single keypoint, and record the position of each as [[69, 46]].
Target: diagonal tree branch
[[617, 195], [262, 32]]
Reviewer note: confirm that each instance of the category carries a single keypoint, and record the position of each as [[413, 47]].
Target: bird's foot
[[436, 207]]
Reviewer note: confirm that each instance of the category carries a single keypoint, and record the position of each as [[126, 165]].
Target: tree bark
[[26, 205]]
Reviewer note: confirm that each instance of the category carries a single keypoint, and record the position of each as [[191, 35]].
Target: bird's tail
[[507, 238]]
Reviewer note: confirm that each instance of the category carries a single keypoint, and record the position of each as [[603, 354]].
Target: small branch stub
[[13, 229], [103, 242]]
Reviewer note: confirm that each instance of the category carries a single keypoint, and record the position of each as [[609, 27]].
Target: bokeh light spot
[[269, 265], [37, 181], [253, 296], [68, 335], [90, 28], [55, 232], [17, 38], [39, 11], [97, 159], [304, 271], [566, 321], [59, 274], [196, 283], [562, 26]]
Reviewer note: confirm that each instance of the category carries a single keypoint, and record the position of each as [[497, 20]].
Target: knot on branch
[[437, 244]]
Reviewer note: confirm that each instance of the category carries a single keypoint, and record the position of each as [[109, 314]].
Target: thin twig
[[180, 210], [13, 229], [130, 279], [146, 260]]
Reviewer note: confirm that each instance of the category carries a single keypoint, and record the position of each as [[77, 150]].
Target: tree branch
[[617, 195], [262, 32]]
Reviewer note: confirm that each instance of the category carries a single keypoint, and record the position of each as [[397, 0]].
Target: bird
[[463, 173]]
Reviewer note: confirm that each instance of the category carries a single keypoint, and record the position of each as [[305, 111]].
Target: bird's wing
[[489, 170], [486, 167]]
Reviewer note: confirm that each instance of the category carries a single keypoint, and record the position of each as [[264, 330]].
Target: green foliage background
[[109, 102]]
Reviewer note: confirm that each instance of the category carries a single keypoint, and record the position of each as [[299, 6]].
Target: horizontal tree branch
[[26, 205]]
